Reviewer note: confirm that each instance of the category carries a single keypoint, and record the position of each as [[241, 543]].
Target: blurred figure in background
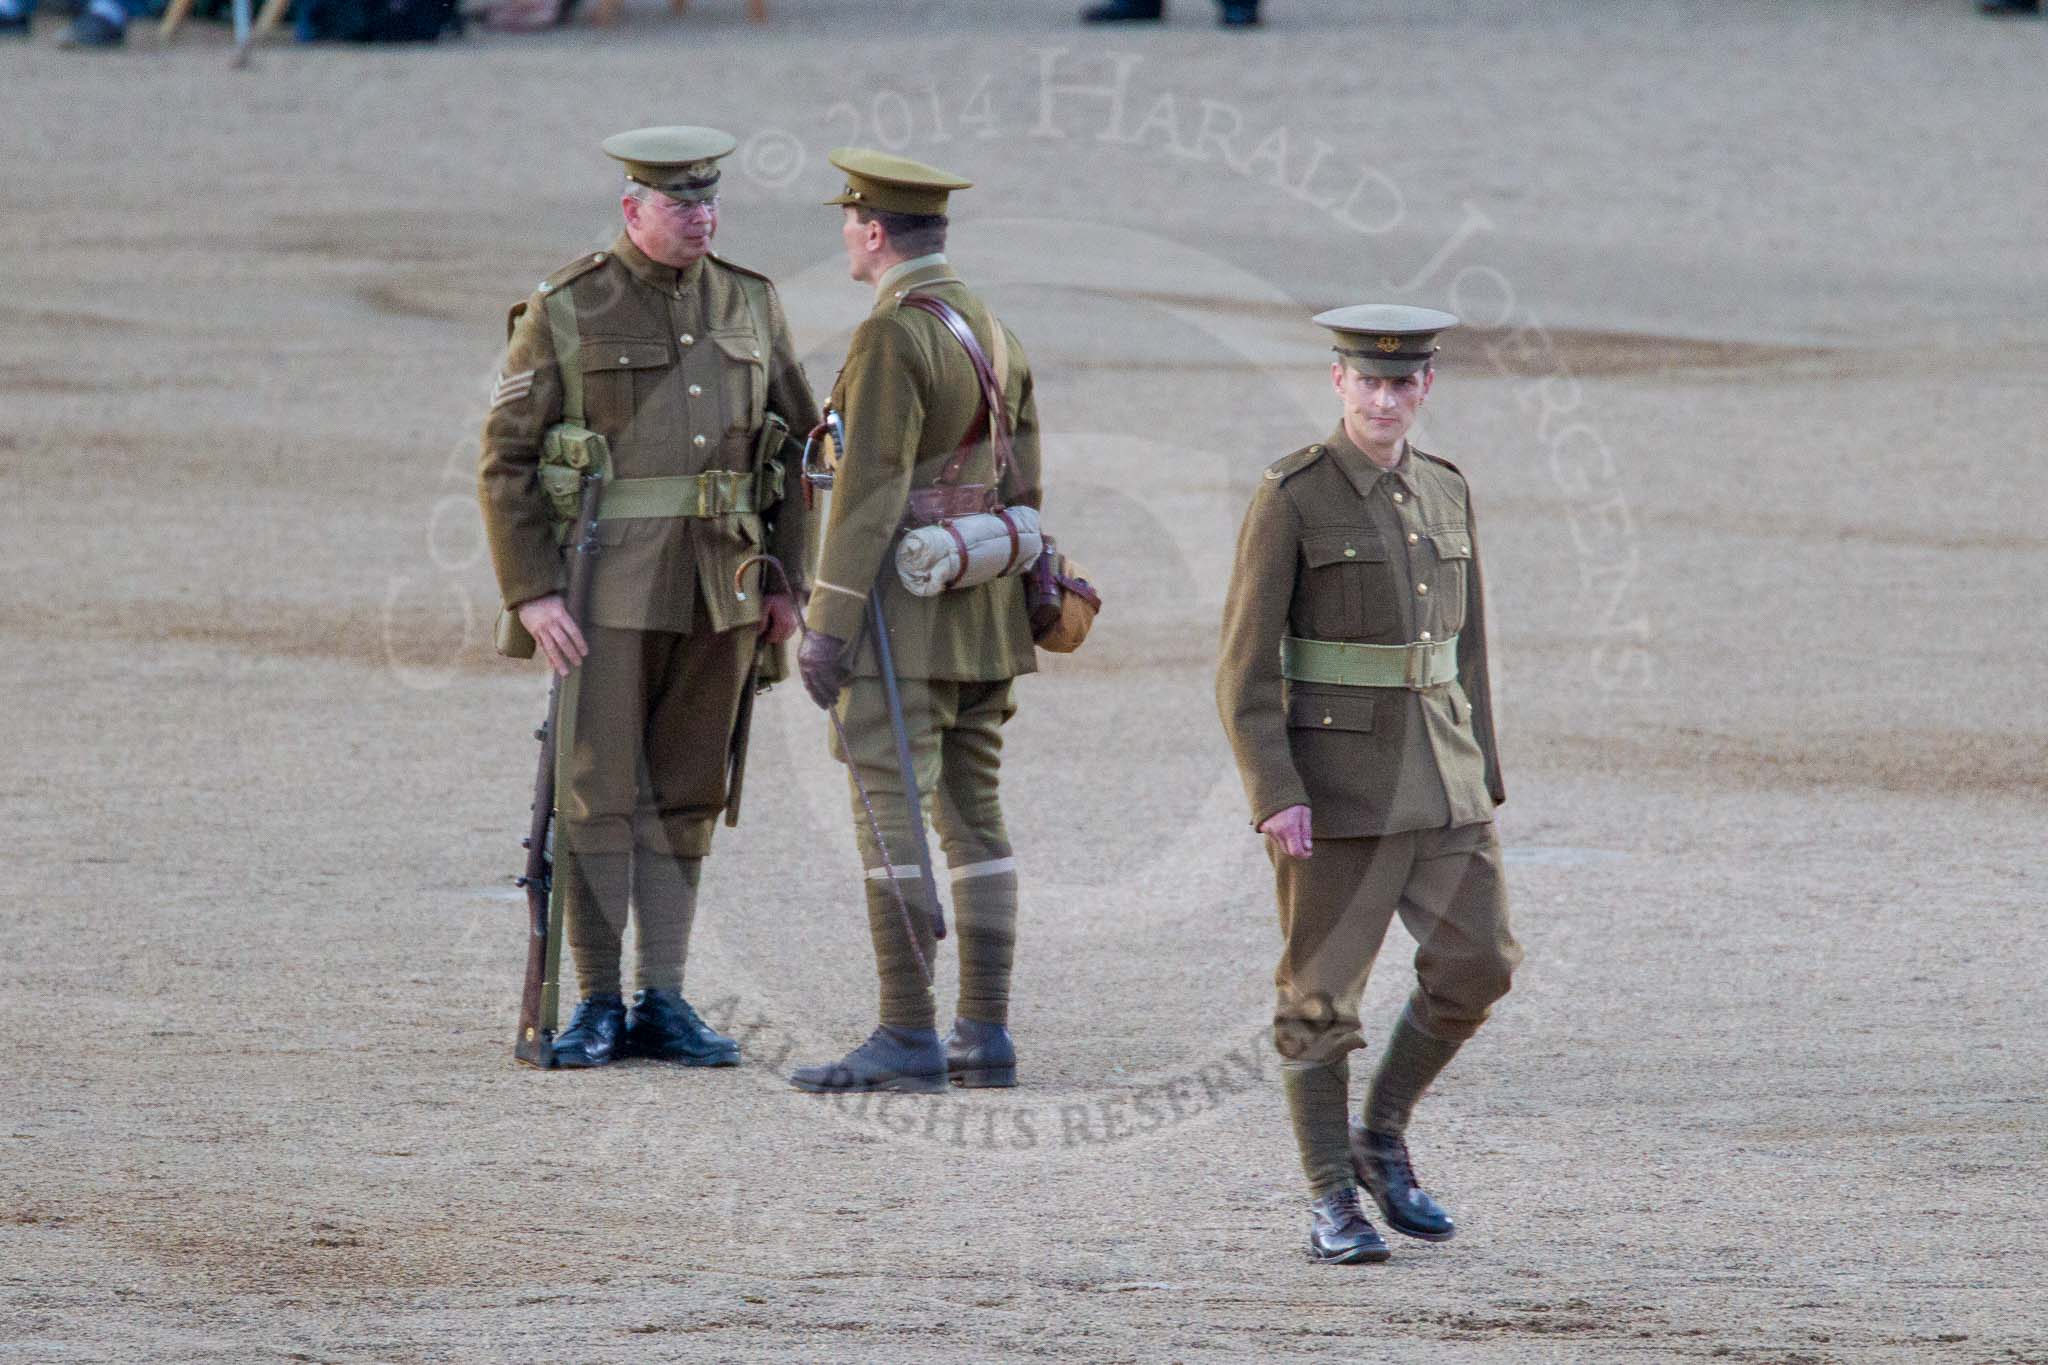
[[1234, 13], [99, 23]]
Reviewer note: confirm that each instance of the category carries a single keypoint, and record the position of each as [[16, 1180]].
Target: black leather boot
[[891, 1059], [1123, 11], [1380, 1161], [592, 1038], [1338, 1233], [662, 1025], [980, 1056]]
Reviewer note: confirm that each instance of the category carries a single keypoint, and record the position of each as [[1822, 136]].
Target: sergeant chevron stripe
[[511, 388]]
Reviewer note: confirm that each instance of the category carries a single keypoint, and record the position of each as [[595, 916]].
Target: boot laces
[[1400, 1167], [588, 1012]]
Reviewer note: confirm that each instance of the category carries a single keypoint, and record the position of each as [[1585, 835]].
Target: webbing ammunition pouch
[[567, 450]]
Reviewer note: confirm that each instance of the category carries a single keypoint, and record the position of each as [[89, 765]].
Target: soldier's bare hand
[[1290, 830], [778, 618], [820, 660], [548, 621]]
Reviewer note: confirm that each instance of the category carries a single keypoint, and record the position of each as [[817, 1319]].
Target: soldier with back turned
[[1353, 686], [921, 447]]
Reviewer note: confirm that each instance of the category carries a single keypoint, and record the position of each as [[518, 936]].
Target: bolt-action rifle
[[539, 996]]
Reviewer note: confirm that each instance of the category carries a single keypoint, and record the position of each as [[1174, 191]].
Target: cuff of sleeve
[[835, 610], [1262, 811], [526, 587]]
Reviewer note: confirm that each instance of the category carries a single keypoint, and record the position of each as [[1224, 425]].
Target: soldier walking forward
[[676, 358], [1353, 686], [919, 448]]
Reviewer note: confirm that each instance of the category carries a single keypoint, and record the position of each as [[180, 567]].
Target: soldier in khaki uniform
[[1353, 686], [677, 358], [911, 401]]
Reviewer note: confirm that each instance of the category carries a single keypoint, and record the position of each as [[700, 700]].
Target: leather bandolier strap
[[948, 497]]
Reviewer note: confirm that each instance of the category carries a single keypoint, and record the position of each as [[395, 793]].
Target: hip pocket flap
[[1331, 710]]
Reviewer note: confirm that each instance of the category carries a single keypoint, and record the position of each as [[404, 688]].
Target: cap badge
[[1389, 344]]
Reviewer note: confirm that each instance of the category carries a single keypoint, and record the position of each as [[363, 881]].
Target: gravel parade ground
[[1750, 399]]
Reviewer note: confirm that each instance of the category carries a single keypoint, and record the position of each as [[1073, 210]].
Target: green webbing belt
[[1423, 664], [714, 493]]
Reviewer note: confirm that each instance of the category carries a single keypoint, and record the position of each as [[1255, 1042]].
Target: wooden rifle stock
[[535, 1044]]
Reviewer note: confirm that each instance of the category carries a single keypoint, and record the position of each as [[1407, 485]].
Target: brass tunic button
[[1327, 720], [1425, 635], [1400, 497], [687, 339], [598, 258], [757, 355], [1413, 538], [1464, 549], [625, 360], [696, 440], [1350, 553], [696, 390], [1422, 588]]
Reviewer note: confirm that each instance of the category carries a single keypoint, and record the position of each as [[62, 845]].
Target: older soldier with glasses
[[669, 372], [1353, 685]]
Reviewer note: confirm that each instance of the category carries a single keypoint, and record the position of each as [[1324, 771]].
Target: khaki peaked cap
[[681, 161], [1387, 339], [893, 184]]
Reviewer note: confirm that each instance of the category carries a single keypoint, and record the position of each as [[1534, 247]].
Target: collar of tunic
[[1361, 471], [666, 278], [895, 273]]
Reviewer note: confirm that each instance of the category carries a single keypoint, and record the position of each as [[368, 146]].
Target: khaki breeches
[[956, 741], [956, 748], [1335, 907], [646, 766]]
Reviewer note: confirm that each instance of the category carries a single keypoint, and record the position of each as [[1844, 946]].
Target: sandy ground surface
[[1752, 407]]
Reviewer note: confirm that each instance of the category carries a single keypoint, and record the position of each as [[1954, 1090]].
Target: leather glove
[[821, 660]]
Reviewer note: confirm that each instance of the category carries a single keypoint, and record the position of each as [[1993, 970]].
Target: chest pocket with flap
[[623, 382], [742, 381], [1344, 590], [1453, 546]]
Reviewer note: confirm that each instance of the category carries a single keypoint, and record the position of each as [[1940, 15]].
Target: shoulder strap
[[1293, 463], [561, 313], [754, 290], [991, 385]]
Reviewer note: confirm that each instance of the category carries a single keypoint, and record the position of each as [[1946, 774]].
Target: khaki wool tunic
[[1334, 548], [908, 394], [675, 379]]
